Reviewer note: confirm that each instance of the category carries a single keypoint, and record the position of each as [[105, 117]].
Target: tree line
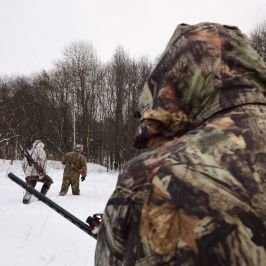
[[81, 100]]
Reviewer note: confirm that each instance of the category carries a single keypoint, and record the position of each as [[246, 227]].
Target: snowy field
[[36, 235]]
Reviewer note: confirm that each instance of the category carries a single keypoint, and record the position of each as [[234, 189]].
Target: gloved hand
[[83, 178], [94, 223]]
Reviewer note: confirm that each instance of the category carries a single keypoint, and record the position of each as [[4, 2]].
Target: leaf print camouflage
[[198, 195]]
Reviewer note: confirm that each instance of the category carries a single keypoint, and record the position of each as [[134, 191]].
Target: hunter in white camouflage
[[37, 171]]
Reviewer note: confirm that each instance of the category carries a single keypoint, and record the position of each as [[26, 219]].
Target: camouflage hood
[[206, 68]]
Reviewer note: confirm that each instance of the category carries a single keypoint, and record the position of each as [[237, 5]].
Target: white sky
[[33, 33]]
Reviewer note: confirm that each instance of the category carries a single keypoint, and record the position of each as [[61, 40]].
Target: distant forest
[[80, 100]]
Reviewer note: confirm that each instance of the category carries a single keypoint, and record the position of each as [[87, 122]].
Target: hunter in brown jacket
[[75, 166], [198, 196]]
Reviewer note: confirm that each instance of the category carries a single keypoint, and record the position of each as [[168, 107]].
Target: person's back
[[73, 158], [75, 165], [199, 197]]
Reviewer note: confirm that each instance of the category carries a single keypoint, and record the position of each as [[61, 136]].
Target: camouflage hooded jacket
[[74, 163], [197, 197]]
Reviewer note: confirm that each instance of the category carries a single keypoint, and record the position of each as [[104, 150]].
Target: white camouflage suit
[[38, 154]]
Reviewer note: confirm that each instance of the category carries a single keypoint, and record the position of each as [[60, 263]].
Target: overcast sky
[[33, 33]]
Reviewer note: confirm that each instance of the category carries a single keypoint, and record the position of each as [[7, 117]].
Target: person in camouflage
[[36, 173], [75, 165], [197, 196]]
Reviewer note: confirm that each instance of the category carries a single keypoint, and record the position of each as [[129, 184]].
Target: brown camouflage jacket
[[74, 162], [197, 197]]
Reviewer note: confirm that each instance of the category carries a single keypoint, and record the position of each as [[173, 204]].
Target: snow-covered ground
[[36, 235]]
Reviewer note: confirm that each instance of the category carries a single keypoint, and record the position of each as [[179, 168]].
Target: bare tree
[[258, 39], [79, 100], [84, 70]]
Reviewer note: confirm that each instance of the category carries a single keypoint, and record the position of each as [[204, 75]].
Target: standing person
[[198, 196], [75, 165], [35, 169]]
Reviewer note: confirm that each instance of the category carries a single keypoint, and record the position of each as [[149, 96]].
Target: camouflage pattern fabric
[[38, 155], [46, 180], [72, 180], [198, 196], [73, 162]]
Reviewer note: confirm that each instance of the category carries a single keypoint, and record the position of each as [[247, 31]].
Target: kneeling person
[[35, 169]]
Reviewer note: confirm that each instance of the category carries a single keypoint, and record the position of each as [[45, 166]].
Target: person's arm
[[119, 227], [44, 161], [39, 157], [83, 169], [114, 230], [24, 164], [63, 160], [84, 165]]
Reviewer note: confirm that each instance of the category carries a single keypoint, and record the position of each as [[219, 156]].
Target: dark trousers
[[46, 180]]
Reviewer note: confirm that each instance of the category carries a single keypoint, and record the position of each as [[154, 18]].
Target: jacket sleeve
[[84, 165], [24, 164], [114, 230], [63, 160], [117, 228], [40, 157]]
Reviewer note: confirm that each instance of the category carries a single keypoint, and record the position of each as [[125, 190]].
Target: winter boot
[[62, 193], [44, 189], [27, 197]]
